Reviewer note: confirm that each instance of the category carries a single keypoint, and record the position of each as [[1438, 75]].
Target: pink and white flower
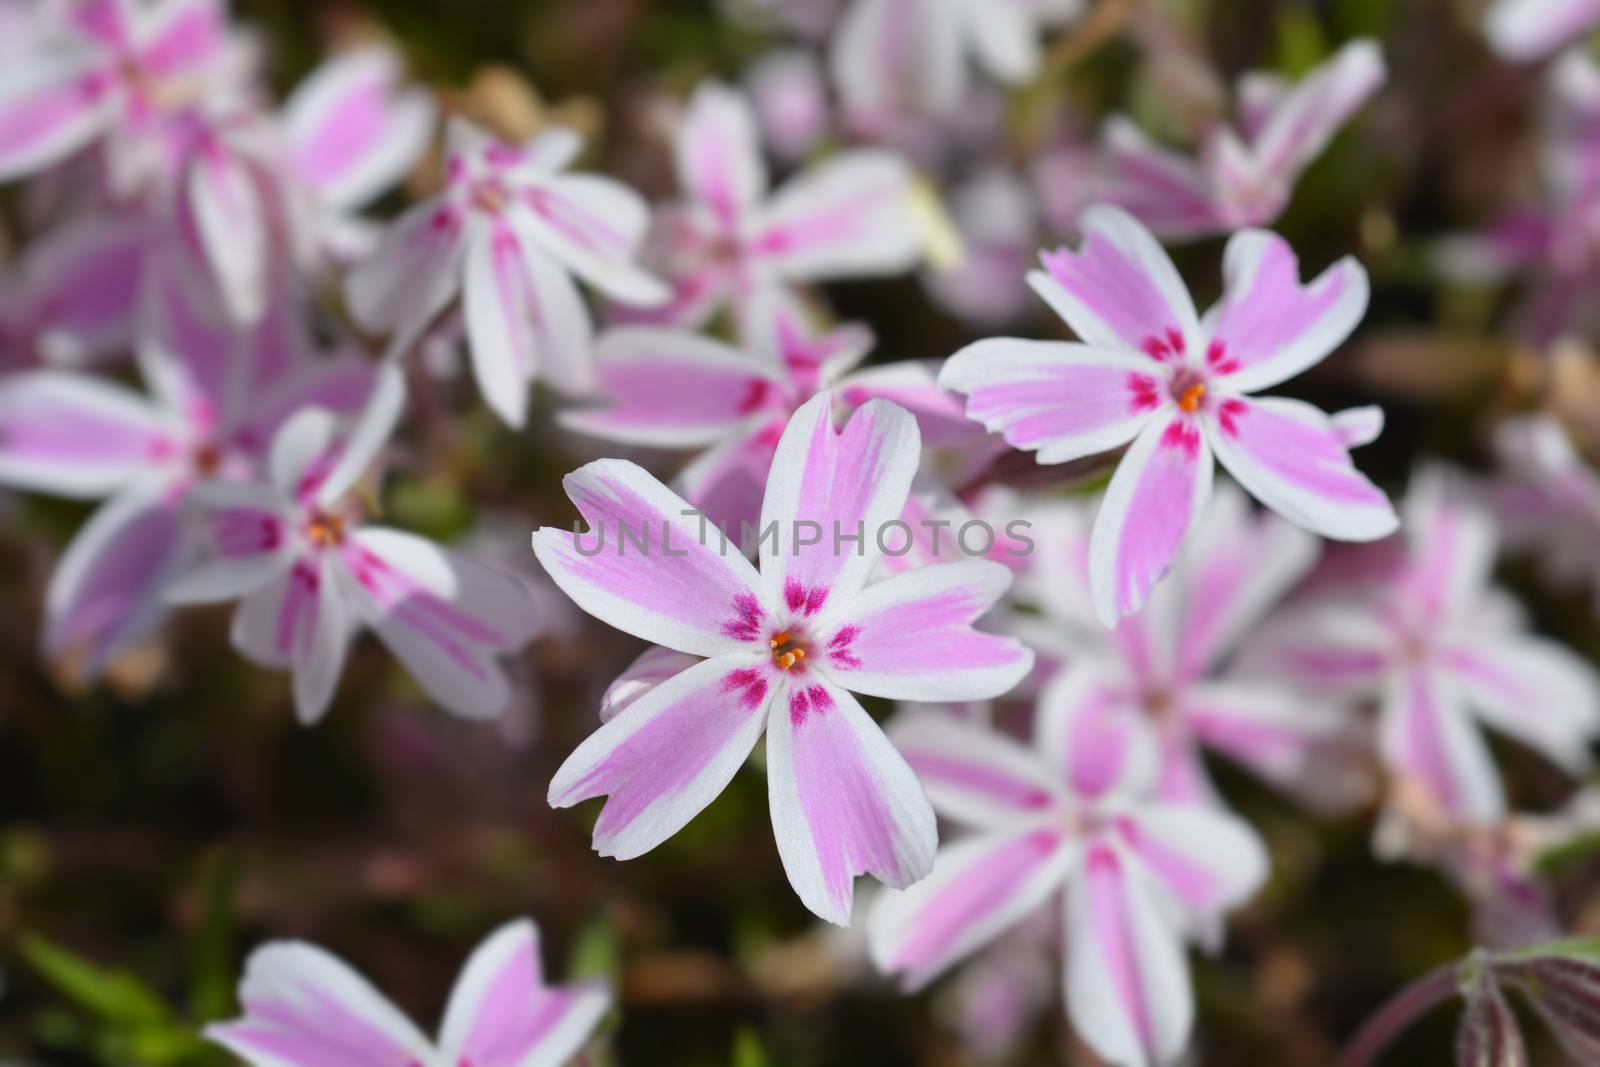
[[784, 648], [1161, 675], [75, 296], [508, 234], [1526, 30], [1436, 645], [304, 1007], [1176, 388], [909, 56], [1550, 241], [107, 68], [310, 573], [216, 396], [1068, 823], [1547, 501], [728, 241], [351, 130], [669, 388], [1243, 176]]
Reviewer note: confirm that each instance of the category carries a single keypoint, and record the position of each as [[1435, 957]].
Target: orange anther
[[1190, 400]]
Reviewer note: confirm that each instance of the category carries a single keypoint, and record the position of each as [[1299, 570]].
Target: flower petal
[[669, 754], [1268, 327], [230, 221], [1271, 729], [913, 384], [1303, 122], [413, 273], [652, 667], [299, 620], [1209, 860], [525, 319], [1166, 191], [106, 592], [911, 636], [1061, 399], [46, 112], [1534, 690], [683, 588], [727, 481], [249, 542], [974, 775], [826, 485], [594, 227], [83, 287], [1088, 732], [1127, 982], [1159, 489], [1425, 736], [843, 801], [1289, 456], [73, 435], [443, 616], [718, 153], [848, 217], [1119, 289], [305, 1008], [370, 431], [980, 887], [1237, 568], [502, 1012], [352, 130], [673, 389]]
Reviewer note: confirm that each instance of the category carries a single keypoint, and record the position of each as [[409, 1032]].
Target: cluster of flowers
[[180, 217]]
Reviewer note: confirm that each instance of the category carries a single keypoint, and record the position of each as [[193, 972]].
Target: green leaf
[[115, 995], [747, 1050]]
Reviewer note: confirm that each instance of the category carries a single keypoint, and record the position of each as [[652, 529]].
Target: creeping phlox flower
[[1547, 500], [304, 1007], [729, 242], [73, 298], [1242, 177], [671, 388], [109, 69], [784, 648], [310, 572], [1161, 674], [1531, 29], [217, 396], [893, 57], [1551, 242], [508, 233], [1432, 641], [1070, 819], [1149, 370]]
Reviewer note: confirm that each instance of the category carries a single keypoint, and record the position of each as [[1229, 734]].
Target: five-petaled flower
[[1241, 177], [508, 233], [304, 1007], [785, 647], [1070, 819], [728, 242], [1431, 640], [1162, 674], [310, 572], [218, 394], [1149, 370]]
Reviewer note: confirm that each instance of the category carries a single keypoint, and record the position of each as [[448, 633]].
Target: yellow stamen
[[780, 639], [1190, 400], [325, 530], [786, 660]]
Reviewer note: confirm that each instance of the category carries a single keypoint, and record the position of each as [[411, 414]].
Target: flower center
[[325, 530], [1189, 399], [208, 459], [490, 197], [787, 651]]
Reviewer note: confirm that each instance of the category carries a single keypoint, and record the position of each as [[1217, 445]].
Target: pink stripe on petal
[[668, 754], [844, 802], [1153, 498]]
